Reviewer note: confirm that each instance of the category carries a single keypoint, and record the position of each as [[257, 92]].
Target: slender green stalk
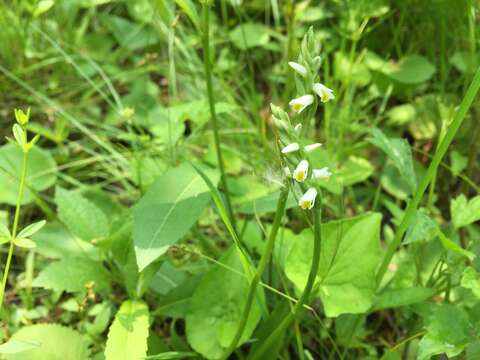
[[211, 100], [282, 201], [422, 187], [286, 322], [15, 225]]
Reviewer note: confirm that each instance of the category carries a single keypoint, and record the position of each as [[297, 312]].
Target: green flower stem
[[286, 322], [211, 100], [15, 223], [422, 187], [281, 204]]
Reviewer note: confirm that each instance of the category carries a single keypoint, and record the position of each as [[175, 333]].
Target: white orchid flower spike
[[312, 147], [291, 148], [323, 92], [300, 69], [307, 201], [301, 171], [299, 104], [323, 173]]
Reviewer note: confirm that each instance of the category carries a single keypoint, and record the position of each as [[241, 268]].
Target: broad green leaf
[[130, 35], [127, 337], [72, 275], [447, 332], [55, 241], [55, 342], [465, 212], [167, 211], [471, 280], [347, 71], [17, 346], [398, 150], [349, 257], [41, 173], [353, 171], [32, 229], [265, 204], [217, 305], [422, 228], [392, 298], [83, 218], [412, 70], [401, 114], [249, 35]]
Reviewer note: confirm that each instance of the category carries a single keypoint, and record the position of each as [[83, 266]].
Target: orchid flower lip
[[323, 92], [301, 172], [307, 201], [300, 103], [291, 148], [299, 68]]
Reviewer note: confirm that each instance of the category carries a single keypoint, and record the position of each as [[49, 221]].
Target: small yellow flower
[[301, 172], [323, 92], [299, 104], [307, 201]]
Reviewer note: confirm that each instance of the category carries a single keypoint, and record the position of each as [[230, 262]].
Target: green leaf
[[55, 241], [132, 36], [471, 280], [458, 162], [55, 342], [32, 229], [189, 9], [17, 346], [393, 298], [25, 243], [449, 245], [41, 173], [127, 337], [217, 305], [169, 355], [5, 234], [167, 211], [412, 70], [465, 212], [249, 35], [398, 150], [72, 274], [447, 332], [81, 216], [349, 257], [19, 134]]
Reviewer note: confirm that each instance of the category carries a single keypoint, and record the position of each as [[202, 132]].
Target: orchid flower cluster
[[294, 150]]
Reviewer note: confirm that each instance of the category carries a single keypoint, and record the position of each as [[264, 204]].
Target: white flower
[[301, 103], [302, 70], [307, 201], [290, 148], [301, 172], [311, 147], [287, 172], [323, 173], [323, 92], [298, 127]]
